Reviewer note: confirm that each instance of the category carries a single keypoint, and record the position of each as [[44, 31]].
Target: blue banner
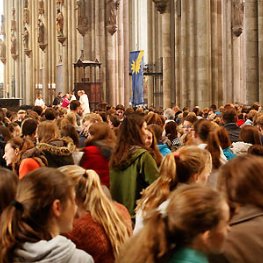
[[136, 66]]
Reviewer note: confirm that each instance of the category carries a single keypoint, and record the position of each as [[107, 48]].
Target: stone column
[[252, 74], [126, 43], [150, 50], [121, 84], [203, 58], [260, 49], [102, 52], [111, 69]]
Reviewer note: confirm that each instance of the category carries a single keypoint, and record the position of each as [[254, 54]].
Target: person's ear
[[16, 151], [195, 177], [56, 208]]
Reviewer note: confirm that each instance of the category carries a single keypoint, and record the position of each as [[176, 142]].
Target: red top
[[90, 236], [94, 160]]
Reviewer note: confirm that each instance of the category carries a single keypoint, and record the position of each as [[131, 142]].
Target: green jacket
[[188, 255], [126, 184]]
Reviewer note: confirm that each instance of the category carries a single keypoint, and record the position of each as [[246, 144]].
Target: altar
[[10, 102]]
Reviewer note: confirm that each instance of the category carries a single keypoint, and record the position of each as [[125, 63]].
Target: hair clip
[[17, 205], [176, 155]]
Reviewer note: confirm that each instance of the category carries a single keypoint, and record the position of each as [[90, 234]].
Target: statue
[[41, 31], [13, 21], [237, 17], [13, 44], [2, 49], [41, 7], [25, 38], [60, 2], [60, 22], [112, 15], [26, 16], [82, 18], [2, 28], [25, 3]]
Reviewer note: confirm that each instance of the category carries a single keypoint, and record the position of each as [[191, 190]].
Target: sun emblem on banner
[[136, 64]]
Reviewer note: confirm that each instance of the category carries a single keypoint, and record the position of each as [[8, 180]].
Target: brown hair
[[29, 222], [241, 180], [129, 135], [178, 167], [249, 134], [153, 118], [102, 132], [192, 210], [154, 150], [47, 131], [8, 184], [208, 133], [223, 137]]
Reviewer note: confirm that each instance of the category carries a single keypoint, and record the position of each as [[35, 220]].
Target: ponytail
[[151, 242]]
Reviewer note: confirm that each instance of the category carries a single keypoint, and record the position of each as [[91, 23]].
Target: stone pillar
[[121, 84], [126, 43], [260, 49], [252, 73], [203, 58], [167, 59], [111, 70], [150, 50]]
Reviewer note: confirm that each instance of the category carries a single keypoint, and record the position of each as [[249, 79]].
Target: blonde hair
[[90, 195], [178, 167], [92, 117]]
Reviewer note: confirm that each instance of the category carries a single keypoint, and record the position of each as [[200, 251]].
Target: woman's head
[[189, 164], [133, 129], [47, 131], [44, 206], [249, 134], [241, 179], [100, 131], [196, 211], [14, 148], [202, 129], [8, 185], [47, 199]]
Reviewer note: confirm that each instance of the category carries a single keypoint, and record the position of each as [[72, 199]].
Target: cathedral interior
[[196, 52]]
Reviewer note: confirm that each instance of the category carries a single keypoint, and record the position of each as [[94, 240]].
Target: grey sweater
[[57, 250]]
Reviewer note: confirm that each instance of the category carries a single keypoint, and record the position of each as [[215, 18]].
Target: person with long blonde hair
[[102, 225], [189, 164]]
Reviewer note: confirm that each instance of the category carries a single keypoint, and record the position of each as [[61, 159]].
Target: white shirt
[[39, 102], [84, 101]]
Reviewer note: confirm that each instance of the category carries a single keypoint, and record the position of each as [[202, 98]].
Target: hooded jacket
[[57, 250], [58, 152], [127, 183]]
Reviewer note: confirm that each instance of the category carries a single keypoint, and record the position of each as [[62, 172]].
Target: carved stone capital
[[61, 39], [27, 52], [42, 46], [161, 5], [14, 56], [3, 59], [82, 29]]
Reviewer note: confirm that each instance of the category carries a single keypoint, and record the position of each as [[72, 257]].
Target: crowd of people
[[137, 185]]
